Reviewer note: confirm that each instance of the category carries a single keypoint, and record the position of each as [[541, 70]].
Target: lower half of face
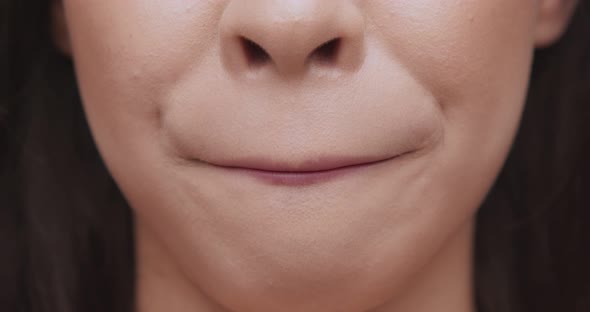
[[303, 149]]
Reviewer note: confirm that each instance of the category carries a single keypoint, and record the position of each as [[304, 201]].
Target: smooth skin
[[168, 89]]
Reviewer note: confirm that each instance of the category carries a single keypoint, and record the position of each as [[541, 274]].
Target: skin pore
[[171, 88]]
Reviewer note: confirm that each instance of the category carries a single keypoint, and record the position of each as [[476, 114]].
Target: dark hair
[[67, 231]]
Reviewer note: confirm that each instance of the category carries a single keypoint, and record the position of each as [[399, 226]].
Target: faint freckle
[[136, 75], [158, 117]]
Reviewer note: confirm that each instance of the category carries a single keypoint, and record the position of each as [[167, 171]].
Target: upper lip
[[323, 163]]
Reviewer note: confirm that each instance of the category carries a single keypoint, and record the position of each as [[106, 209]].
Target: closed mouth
[[306, 173]]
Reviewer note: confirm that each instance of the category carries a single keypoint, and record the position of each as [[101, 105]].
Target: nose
[[292, 36]]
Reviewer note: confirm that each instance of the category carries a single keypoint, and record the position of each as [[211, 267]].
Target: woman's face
[[175, 90]]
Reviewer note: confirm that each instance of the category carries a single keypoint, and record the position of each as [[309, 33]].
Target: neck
[[444, 284]]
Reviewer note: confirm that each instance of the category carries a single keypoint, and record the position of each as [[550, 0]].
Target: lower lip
[[304, 178]]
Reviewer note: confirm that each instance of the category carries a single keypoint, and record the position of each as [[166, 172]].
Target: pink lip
[[307, 173]]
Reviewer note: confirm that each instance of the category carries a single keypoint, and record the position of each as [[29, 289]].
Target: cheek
[[126, 52], [474, 57], [454, 46]]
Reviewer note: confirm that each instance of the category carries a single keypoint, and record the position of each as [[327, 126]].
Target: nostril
[[255, 54], [327, 52]]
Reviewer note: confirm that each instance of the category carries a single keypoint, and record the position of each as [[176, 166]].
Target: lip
[[306, 173]]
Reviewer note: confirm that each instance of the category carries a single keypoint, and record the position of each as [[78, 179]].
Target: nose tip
[[292, 36]]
